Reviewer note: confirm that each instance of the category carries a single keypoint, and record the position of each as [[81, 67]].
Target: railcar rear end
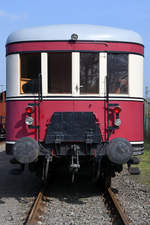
[[75, 95]]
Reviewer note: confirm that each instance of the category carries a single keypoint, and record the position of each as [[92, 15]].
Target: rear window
[[117, 65], [30, 68], [89, 73], [60, 72]]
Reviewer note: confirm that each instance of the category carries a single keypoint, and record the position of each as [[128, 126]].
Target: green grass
[[144, 166]]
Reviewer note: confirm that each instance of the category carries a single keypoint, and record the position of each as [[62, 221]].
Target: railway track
[[118, 207], [37, 210]]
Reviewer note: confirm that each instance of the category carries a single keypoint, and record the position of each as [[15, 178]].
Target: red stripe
[[74, 46]]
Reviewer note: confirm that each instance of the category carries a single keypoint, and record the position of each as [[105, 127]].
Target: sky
[[127, 14]]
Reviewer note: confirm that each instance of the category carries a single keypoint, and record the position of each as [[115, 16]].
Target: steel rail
[[36, 210], [118, 207]]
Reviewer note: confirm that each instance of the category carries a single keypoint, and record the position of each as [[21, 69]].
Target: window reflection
[[59, 73], [118, 73], [30, 68], [89, 73]]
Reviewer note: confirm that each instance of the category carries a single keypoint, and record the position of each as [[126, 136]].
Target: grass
[[144, 166]]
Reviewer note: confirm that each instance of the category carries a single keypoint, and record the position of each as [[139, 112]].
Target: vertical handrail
[[107, 101], [40, 98]]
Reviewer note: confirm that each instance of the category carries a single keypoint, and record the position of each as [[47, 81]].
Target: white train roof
[[84, 32]]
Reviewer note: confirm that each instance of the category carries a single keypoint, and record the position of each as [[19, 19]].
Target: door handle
[[77, 88]]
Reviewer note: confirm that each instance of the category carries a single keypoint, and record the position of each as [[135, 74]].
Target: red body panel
[[74, 46], [131, 117], [3, 108]]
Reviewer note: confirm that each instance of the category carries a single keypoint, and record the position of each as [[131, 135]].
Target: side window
[[89, 73], [59, 73], [30, 68], [117, 65]]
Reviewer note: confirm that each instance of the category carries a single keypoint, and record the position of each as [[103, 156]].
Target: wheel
[[96, 167]]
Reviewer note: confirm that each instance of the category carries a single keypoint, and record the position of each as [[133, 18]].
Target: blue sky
[[128, 14]]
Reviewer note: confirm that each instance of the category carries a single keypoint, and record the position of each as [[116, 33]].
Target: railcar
[[2, 115], [75, 96]]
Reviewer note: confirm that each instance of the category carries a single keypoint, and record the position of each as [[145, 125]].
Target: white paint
[[103, 73], [10, 142], [136, 142], [69, 98], [75, 73], [84, 32], [136, 63], [44, 72], [13, 75]]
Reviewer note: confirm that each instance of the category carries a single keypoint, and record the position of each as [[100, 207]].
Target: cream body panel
[[136, 63], [13, 75], [75, 73], [44, 72], [102, 73]]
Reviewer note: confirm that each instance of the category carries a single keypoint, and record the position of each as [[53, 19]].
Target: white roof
[[84, 32]]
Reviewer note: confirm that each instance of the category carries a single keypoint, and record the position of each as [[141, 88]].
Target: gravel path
[[77, 204]]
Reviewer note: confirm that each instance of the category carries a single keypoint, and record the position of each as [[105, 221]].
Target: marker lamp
[[29, 120], [117, 122]]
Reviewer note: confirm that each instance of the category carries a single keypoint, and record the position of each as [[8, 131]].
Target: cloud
[[12, 16]]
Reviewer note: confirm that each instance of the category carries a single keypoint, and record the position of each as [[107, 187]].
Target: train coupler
[[74, 166], [48, 159]]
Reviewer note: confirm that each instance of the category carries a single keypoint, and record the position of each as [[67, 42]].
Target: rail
[[36, 209], [118, 207]]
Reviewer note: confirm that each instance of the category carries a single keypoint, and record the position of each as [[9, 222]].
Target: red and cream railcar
[[75, 91]]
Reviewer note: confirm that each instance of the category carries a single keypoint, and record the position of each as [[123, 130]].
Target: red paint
[[74, 46], [2, 111], [131, 117]]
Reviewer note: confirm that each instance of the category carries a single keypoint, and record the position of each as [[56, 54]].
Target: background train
[[75, 96], [2, 115]]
